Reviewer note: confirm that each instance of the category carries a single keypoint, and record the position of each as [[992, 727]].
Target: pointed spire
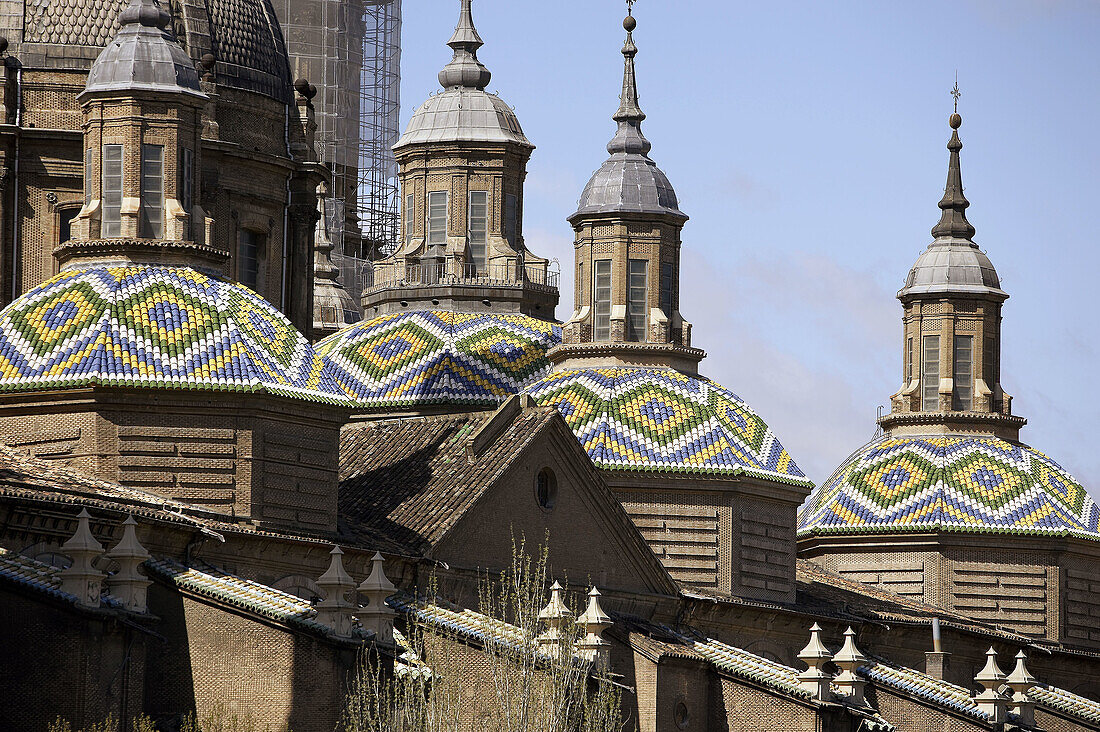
[[849, 658], [953, 223], [554, 615], [81, 578], [1021, 682], [815, 655], [991, 678], [128, 584], [629, 138], [377, 588], [594, 621], [335, 610], [464, 69]]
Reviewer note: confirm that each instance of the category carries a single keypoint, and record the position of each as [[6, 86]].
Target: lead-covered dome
[[429, 358], [464, 111], [155, 327], [979, 484], [462, 114], [953, 267], [144, 55], [629, 181], [653, 419], [244, 37]]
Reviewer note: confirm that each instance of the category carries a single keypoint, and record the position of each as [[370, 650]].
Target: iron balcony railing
[[439, 273]]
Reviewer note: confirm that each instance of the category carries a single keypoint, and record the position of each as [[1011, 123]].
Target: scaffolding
[[351, 51], [378, 128]]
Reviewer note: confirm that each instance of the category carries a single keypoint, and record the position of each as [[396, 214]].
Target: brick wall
[[220, 661], [62, 662]]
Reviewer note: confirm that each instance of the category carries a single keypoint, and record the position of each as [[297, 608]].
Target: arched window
[[546, 489]]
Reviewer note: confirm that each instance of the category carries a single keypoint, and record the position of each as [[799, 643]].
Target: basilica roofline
[[888, 538], [963, 424], [592, 354]]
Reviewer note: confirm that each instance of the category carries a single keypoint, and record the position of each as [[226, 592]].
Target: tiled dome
[[658, 419], [435, 357], [951, 483], [155, 327]]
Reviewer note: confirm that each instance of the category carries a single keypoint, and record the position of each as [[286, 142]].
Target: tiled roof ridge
[[922, 686], [263, 600], [1066, 702], [751, 666], [948, 618], [41, 578], [471, 624]]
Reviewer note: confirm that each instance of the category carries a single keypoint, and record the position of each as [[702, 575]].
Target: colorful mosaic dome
[[436, 357], [658, 419], [152, 326], [953, 483]]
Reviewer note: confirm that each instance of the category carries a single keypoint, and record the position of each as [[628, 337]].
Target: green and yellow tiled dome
[[155, 327], [439, 357], [950, 483], [658, 419]]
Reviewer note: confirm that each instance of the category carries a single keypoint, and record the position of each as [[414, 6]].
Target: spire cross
[[955, 92], [630, 6]]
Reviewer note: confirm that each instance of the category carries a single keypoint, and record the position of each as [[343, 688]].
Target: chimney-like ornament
[[81, 578], [377, 588], [335, 610], [849, 658], [991, 679], [128, 584], [1021, 682], [936, 661], [815, 655], [555, 616], [594, 621]]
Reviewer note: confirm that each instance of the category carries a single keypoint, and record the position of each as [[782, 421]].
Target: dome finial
[[953, 223], [629, 137], [145, 12], [464, 69]]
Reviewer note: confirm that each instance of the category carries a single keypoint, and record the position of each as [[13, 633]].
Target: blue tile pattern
[[658, 419], [961, 483], [437, 357], [153, 326]]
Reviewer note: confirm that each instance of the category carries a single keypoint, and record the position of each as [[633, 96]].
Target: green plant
[[443, 684]]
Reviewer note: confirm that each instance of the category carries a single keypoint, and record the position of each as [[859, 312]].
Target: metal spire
[[629, 137], [464, 69], [953, 223]]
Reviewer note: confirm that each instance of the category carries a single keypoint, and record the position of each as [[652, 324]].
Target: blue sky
[[806, 140]]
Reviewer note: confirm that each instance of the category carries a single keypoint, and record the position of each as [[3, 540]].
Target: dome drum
[[178, 383]]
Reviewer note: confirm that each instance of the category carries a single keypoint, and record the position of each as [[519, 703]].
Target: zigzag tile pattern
[[658, 419], [970, 483], [152, 326], [434, 357]]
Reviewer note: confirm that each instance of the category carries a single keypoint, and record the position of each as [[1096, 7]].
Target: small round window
[[680, 714], [546, 489]]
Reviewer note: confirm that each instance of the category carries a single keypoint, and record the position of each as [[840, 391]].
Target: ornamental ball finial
[[630, 23], [955, 120]]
